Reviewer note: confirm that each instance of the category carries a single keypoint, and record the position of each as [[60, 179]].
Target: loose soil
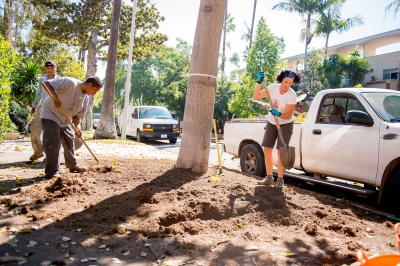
[[130, 211]]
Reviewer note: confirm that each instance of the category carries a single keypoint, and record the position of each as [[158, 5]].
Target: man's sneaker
[[78, 169], [268, 180], [280, 183], [34, 157]]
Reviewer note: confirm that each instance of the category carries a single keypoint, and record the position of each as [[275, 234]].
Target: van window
[[154, 112]]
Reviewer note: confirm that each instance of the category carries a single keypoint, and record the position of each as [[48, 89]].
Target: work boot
[[280, 183], [78, 169], [268, 180], [34, 157]]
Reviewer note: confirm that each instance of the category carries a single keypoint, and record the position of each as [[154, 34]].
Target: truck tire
[[139, 136], [252, 160], [393, 195], [118, 131], [173, 141]]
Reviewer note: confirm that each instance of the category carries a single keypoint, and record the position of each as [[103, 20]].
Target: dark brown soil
[[146, 212]]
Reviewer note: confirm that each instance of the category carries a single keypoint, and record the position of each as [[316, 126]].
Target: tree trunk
[[10, 19], [252, 24], [106, 127], [87, 123], [199, 106], [224, 39], [306, 46]]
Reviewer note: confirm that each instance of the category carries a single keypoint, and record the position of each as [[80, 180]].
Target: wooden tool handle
[[69, 121]]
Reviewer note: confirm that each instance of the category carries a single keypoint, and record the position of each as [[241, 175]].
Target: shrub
[[7, 62]]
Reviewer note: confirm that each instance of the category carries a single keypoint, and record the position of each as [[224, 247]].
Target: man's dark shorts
[[271, 134]]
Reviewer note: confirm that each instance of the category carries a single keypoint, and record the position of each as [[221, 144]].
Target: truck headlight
[[175, 128], [147, 127]]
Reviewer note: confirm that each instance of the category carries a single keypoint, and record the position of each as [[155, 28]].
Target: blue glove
[[260, 77], [275, 112]]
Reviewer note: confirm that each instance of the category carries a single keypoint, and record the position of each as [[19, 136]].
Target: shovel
[[286, 153]]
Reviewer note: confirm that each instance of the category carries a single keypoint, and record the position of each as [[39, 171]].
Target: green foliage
[[315, 73], [333, 68], [223, 96], [265, 53], [356, 67], [158, 80], [238, 105], [43, 48], [72, 23], [7, 62], [25, 80]]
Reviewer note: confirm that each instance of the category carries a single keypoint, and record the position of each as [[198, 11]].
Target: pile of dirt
[[150, 210]]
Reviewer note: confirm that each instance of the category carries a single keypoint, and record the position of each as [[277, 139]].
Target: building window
[[391, 73]]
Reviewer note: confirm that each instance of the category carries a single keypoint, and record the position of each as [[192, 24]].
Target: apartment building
[[384, 72]]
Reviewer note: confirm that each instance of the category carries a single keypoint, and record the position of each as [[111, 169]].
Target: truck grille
[[162, 128]]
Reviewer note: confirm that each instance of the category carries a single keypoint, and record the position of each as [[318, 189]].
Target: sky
[[181, 19]]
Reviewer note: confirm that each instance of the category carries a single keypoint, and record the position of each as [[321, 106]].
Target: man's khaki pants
[[36, 133]]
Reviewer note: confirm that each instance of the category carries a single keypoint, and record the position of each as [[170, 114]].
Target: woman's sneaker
[[280, 183], [268, 180]]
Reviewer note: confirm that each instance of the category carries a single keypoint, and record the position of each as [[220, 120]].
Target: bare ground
[[129, 211]]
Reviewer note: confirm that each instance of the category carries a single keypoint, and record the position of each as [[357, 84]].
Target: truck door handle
[[317, 132]]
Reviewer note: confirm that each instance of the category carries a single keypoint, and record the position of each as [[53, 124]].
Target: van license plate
[[163, 136]]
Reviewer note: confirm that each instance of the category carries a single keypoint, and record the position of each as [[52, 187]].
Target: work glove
[[275, 112], [260, 77]]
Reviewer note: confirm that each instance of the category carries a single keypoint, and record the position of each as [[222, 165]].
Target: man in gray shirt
[[71, 95], [36, 124]]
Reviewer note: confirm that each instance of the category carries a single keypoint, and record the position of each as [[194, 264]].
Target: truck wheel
[[252, 160], [173, 141], [139, 136], [119, 131], [393, 196]]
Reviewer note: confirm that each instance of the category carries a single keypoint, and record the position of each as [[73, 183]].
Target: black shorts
[[271, 134]]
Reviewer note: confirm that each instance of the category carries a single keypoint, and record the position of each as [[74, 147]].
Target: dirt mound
[[221, 219]]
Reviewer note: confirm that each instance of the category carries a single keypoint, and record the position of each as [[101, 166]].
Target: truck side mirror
[[173, 116], [359, 118]]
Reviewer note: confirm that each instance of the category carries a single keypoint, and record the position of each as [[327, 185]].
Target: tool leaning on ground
[[286, 153], [69, 122]]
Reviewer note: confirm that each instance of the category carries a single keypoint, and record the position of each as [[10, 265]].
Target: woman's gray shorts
[[271, 134]]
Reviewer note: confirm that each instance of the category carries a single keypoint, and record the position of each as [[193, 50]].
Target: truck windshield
[[154, 112], [385, 104]]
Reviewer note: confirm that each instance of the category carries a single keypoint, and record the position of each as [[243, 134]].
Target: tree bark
[[224, 39], [199, 106], [87, 123], [106, 127], [252, 24], [10, 19]]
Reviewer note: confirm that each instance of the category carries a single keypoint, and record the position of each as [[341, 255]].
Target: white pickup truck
[[349, 134]]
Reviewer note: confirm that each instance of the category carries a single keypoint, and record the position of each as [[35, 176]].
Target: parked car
[[349, 134], [96, 118], [150, 122]]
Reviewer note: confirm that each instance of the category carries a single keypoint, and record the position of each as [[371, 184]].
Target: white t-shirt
[[279, 101]]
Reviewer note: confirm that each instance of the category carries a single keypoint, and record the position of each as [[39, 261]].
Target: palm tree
[[252, 24], [331, 21], [228, 27], [306, 8], [395, 5], [201, 89]]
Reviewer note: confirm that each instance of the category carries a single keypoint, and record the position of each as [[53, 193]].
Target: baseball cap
[[50, 63]]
